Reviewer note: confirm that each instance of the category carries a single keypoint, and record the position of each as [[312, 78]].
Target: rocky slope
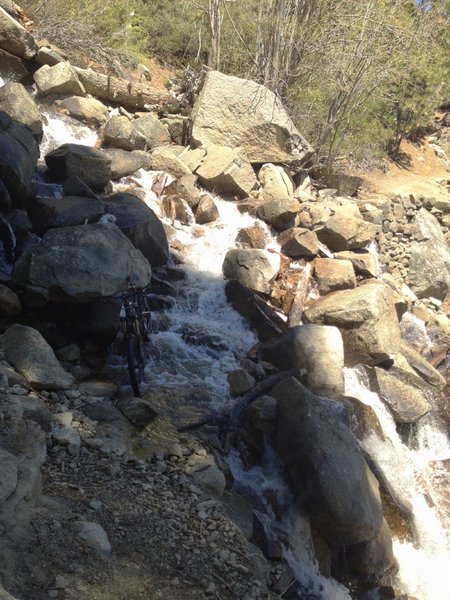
[[99, 497]]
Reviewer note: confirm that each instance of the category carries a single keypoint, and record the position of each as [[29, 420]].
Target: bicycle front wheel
[[135, 360]]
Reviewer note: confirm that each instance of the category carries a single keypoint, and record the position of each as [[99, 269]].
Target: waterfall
[[198, 372], [413, 474]]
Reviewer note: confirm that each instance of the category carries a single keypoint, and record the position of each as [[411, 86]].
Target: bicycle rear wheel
[[135, 360]]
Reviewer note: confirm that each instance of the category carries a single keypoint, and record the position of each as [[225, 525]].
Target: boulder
[[125, 163], [49, 55], [206, 211], [367, 319], [429, 263], [333, 275], [178, 129], [8, 475], [12, 68], [138, 411], [9, 303], [74, 186], [342, 232], [32, 357], [14, 38], [346, 185], [281, 214], [297, 242], [93, 536], [260, 316], [19, 152], [121, 133], [318, 349], [363, 262], [78, 264], [50, 213], [91, 165], [240, 113], [89, 110], [154, 132], [240, 381], [5, 198], [60, 79], [193, 158], [327, 471], [407, 403], [141, 225], [227, 170], [253, 268], [276, 182], [374, 556], [185, 188], [253, 236], [165, 159], [363, 420], [420, 366]]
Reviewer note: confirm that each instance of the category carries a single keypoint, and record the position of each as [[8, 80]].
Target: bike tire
[[135, 364]]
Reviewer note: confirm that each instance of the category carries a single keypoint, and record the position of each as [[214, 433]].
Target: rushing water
[[200, 339]]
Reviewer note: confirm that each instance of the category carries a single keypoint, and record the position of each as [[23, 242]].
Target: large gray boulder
[[78, 264], [32, 357], [59, 79], [18, 103], [49, 213], [227, 170], [317, 348], [367, 319], [327, 471], [256, 269], [141, 225], [14, 38], [12, 68], [19, 152], [91, 165], [240, 113], [429, 263]]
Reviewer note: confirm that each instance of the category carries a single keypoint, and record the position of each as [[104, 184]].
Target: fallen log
[[130, 94]]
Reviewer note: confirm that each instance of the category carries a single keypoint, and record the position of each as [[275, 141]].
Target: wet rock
[[333, 275], [12, 68], [240, 381], [406, 402], [141, 225], [94, 537], [19, 152], [374, 556], [18, 103], [206, 211], [10, 305], [367, 319], [74, 186], [235, 112], [297, 242], [176, 209], [33, 358], [8, 474], [264, 538], [91, 165], [185, 188], [59, 79], [253, 268], [15, 38], [316, 348], [125, 163], [281, 214], [138, 411], [227, 170], [363, 420], [252, 237], [51, 213], [92, 261], [89, 110], [325, 466], [421, 366]]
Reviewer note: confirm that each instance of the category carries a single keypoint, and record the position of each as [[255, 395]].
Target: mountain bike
[[135, 319]]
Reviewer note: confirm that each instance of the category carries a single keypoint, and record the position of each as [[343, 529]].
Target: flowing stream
[[201, 314]]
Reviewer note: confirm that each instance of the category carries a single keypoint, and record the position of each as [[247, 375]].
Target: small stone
[[96, 504]]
